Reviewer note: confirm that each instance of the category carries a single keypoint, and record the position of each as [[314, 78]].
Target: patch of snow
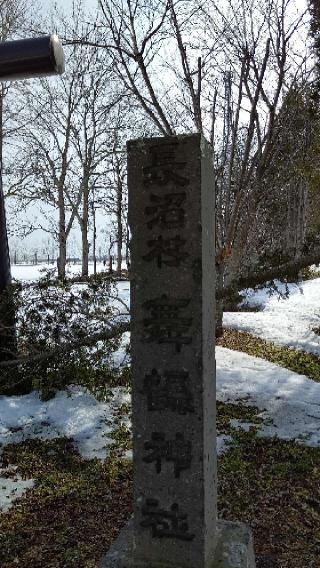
[[123, 288], [74, 413], [120, 300], [12, 489], [284, 321], [241, 424], [29, 273], [121, 356], [289, 403], [223, 443]]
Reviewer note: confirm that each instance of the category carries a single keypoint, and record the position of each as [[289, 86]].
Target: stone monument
[[171, 215]]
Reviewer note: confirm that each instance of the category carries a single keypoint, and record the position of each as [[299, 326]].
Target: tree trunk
[[62, 259], [127, 249], [8, 345], [84, 231], [94, 245], [220, 269], [85, 251], [119, 225]]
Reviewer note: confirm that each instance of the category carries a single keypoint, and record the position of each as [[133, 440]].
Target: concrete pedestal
[[234, 548]]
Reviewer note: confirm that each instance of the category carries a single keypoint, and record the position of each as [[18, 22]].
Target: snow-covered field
[[283, 321], [289, 403], [29, 273]]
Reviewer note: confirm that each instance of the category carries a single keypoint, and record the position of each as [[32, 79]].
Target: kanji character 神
[[177, 451]]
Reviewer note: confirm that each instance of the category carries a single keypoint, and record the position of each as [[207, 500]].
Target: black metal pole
[[20, 59], [7, 310], [5, 274]]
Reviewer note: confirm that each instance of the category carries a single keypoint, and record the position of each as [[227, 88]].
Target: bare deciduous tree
[[220, 69], [63, 143]]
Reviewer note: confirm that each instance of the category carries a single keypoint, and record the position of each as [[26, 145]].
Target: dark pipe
[[20, 59], [27, 58], [5, 276], [7, 310]]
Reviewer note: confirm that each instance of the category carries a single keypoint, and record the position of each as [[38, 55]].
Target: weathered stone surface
[[171, 216], [234, 549]]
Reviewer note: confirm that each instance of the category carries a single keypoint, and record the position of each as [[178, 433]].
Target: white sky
[[38, 239], [66, 4], [34, 241]]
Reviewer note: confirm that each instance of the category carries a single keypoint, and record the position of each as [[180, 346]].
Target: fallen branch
[[78, 279], [90, 341], [282, 271], [249, 281]]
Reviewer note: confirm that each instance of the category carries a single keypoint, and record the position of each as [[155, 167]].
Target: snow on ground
[[29, 273], [121, 357], [74, 413], [283, 321], [120, 301], [121, 305], [289, 403], [12, 489]]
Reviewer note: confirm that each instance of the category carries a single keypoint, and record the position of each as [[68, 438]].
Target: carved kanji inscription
[[166, 251], [167, 322], [171, 204], [165, 167], [177, 451], [166, 211], [169, 391], [170, 524]]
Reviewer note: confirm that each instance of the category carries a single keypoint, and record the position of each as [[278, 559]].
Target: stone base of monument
[[234, 549]]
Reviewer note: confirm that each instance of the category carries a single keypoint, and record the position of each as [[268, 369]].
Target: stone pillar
[[171, 215]]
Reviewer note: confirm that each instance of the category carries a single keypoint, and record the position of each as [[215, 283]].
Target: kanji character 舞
[[166, 324], [166, 211], [177, 451], [166, 251], [169, 391], [170, 524], [165, 167]]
